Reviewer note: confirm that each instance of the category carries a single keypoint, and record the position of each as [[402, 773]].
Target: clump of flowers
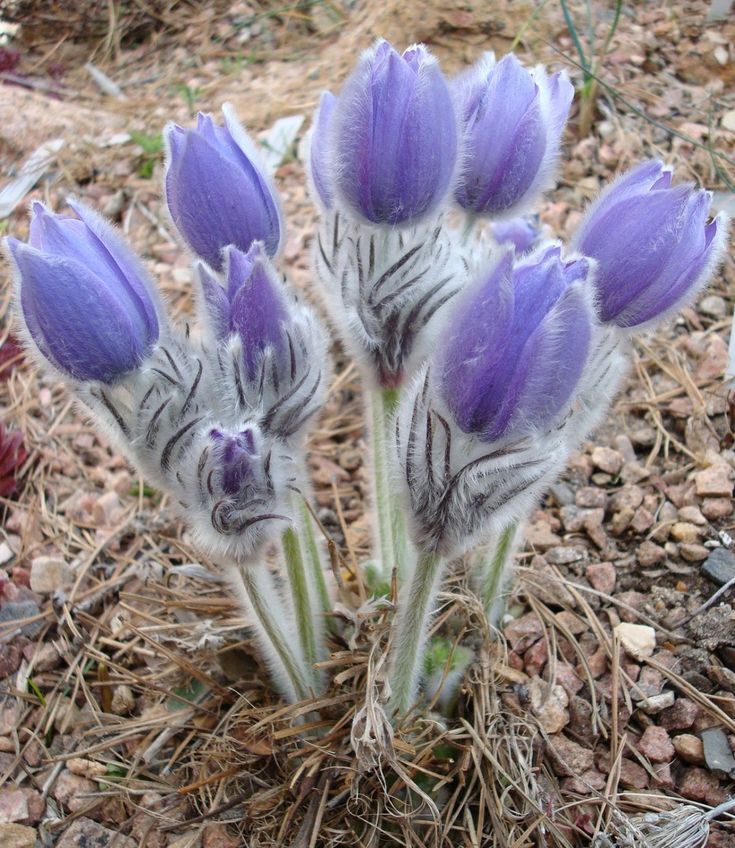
[[485, 361]]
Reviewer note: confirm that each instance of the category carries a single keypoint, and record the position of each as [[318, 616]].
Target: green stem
[[414, 612], [288, 668], [312, 554], [496, 570], [307, 618], [381, 485]]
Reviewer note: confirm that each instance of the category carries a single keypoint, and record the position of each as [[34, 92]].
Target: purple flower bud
[[84, 296], [253, 305], [258, 308], [517, 344], [394, 137], [513, 120], [217, 191], [233, 457], [652, 243], [522, 233], [320, 151]]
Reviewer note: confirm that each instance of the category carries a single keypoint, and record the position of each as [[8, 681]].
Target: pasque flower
[[523, 233], [85, 298], [513, 119], [516, 345], [253, 305], [217, 191], [652, 244], [387, 147]]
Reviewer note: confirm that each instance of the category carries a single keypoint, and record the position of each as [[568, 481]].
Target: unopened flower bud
[[217, 190], [513, 119], [653, 246], [85, 298], [391, 138]]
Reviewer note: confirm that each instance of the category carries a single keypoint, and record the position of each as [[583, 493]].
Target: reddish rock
[[681, 716], [602, 576], [696, 784], [591, 497], [522, 632], [656, 745], [10, 657], [72, 791], [218, 836], [567, 678], [642, 521], [715, 481], [635, 600], [663, 775], [649, 553], [535, 658], [716, 509], [606, 459], [630, 497], [569, 758], [633, 776], [586, 783]]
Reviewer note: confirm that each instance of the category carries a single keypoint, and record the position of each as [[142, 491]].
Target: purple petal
[[522, 233], [258, 312], [78, 322], [320, 153], [214, 301], [395, 137], [215, 195]]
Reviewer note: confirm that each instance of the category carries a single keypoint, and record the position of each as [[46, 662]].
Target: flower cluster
[[486, 357]]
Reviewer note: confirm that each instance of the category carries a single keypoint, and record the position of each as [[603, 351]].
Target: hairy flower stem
[[392, 537], [308, 620], [496, 570], [254, 585], [415, 606]]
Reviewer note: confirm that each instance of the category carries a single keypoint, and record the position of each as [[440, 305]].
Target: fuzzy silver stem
[[415, 607], [496, 572], [258, 595]]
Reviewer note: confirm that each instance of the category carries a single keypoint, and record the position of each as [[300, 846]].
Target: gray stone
[[18, 610], [719, 566], [717, 752]]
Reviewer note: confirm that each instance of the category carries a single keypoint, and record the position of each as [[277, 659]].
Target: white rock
[[638, 640], [49, 573]]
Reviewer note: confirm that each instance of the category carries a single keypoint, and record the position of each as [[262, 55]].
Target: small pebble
[[638, 640], [689, 748], [719, 566], [602, 576], [717, 754], [656, 745], [49, 573], [715, 481]]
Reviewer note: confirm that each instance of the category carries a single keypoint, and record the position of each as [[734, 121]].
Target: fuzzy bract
[[387, 149], [513, 119], [84, 297], [653, 246], [217, 190]]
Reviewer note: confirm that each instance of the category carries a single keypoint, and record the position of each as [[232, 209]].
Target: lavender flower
[[518, 342], [513, 120], [253, 305], [271, 350], [217, 191], [387, 148], [523, 233], [652, 245], [480, 431], [85, 299], [320, 150]]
